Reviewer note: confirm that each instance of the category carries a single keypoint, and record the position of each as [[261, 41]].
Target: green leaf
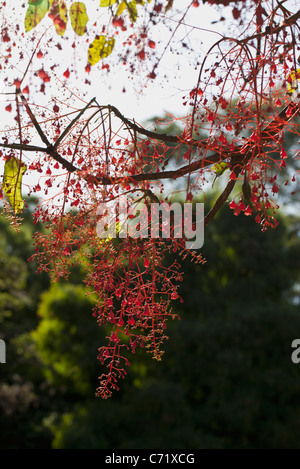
[[59, 15], [79, 17], [101, 47], [35, 13], [246, 189], [107, 3], [219, 168], [13, 173], [132, 10]]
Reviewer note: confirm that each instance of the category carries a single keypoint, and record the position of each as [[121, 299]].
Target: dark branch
[[291, 20], [153, 135], [236, 159], [33, 120], [20, 146]]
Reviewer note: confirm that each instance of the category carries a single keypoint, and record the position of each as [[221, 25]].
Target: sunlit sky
[[143, 99]]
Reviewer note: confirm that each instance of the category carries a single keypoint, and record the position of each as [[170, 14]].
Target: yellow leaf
[[107, 3], [219, 168], [79, 17], [101, 47], [169, 5], [13, 173], [121, 8], [35, 13], [59, 15], [132, 10], [293, 81]]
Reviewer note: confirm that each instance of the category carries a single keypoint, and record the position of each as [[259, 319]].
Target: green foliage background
[[226, 379]]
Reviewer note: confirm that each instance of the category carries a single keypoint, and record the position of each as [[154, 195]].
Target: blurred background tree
[[226, 379]]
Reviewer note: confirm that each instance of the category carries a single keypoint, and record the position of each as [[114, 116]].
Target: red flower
[[248, 211], [141, 54], [44, 76], [118, 22], [236, 13], [283, 153]]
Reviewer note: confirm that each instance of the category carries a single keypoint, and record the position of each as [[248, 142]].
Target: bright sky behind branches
[[142, 99]]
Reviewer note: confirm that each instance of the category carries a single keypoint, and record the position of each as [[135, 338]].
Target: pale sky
[[139, 102]]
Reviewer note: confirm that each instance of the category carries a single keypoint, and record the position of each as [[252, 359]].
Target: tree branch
[[153, 135], [236, 158], [33, 120], [291, 20], [23, 147]]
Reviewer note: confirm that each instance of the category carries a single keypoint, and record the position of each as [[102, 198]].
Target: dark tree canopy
[[77, 153]]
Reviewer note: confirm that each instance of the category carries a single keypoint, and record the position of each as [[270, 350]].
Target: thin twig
[[69, 127]]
